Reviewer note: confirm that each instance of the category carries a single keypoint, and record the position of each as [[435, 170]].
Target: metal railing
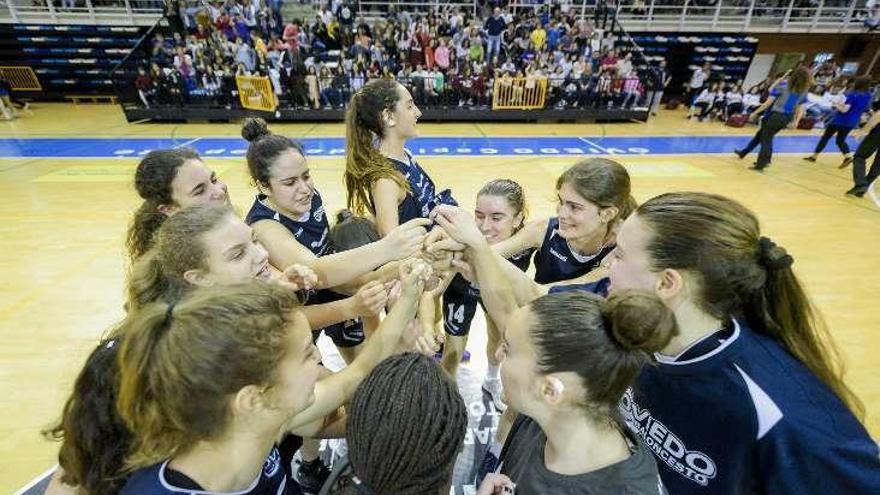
[[115, 12], [830, 16], [21, 78], [519, 93]]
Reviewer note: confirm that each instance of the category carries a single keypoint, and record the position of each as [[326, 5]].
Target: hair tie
[[773, 257], [166, 323]]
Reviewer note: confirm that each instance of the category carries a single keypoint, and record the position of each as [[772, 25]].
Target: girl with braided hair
[[405, 428], [748, 396]]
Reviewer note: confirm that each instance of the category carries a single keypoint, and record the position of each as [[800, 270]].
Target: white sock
[[492, 372]]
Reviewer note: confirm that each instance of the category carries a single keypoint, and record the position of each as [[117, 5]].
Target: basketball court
[[67, 196]]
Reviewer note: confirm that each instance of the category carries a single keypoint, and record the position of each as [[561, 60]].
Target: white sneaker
[[495, 389]]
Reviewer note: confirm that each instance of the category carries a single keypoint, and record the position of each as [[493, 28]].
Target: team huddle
[[662, 347]]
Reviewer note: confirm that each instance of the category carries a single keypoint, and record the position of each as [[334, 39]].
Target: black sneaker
[[810, 159], [312, 475], [740, 153], [846, 162], [857, 191]]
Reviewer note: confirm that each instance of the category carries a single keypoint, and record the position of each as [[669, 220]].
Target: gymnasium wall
[[846, 47]]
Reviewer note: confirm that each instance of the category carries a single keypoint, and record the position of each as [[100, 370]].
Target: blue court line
[[425, 146]]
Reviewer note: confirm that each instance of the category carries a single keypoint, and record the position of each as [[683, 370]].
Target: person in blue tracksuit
[[845, 119], [786, 107]]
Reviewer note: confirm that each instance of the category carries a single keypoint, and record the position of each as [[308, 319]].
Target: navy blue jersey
[[555, 261], [737, 414], [461, 298], [310, 230], [599, 287], [275, 479], [423, 195]]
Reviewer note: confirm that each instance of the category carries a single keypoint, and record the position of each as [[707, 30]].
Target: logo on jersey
[[319, 213], [273, 464], [320, 242], [692, 464], [559, 255]]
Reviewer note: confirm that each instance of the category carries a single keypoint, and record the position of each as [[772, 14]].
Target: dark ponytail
[[264, 149], [604, 342], [95, 441], [152, 180]]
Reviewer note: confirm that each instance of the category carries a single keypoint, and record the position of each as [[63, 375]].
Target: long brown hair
[[94, 439], [800, 80], [742, 274], [152, 180], [603, 182], [180, 364], [158, 274], [364, 165]]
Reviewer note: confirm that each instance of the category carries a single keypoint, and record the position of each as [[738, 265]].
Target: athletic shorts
[[347, 333], [459, 308]]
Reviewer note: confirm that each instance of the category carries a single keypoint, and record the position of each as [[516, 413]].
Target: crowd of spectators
[[710, 98], [445, 57]]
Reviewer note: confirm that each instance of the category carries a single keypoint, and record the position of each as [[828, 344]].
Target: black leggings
[[869, 146], [770, 126], [842, 133]]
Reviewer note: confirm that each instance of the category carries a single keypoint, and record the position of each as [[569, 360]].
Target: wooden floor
[[61, 241]]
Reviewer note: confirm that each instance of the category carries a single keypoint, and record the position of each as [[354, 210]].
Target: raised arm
[[340, 268], [503, 287], [530, 236], [337, 389]]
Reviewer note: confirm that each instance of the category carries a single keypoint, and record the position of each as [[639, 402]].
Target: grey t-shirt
[[522, 460]]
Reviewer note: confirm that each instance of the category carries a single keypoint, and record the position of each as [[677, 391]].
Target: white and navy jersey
[[311, 230], [737, 414], [275, 479], [556, 261], [423, 195]]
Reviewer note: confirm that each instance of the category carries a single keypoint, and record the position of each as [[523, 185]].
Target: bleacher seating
[[68, 59]]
